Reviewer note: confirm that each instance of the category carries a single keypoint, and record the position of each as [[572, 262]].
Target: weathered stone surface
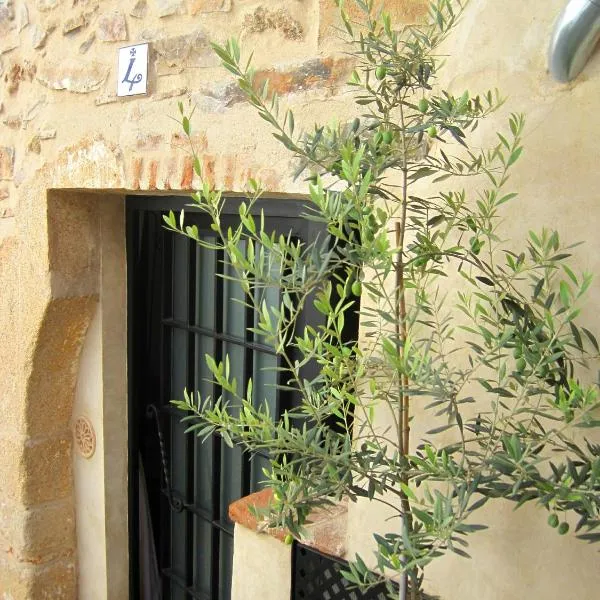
[[166, 8], [7, 162], [4, 194], [73, 24], [85, 46], [112, 27], [148, 141], [149, 35], [402, 12], [34, 145], [38, 37], [312, 74], [263, 19], [47, 464], [13, 121], [73, 75], [105, 99], [39, 534], [33, 109], [55, 580], [178, 52], [210, 6], [17, 73], [22, 17], [44, 5], [217, 98], [9, 41], [170, 94], [47, 134], [7, 16], [15, 580], [139, 10]]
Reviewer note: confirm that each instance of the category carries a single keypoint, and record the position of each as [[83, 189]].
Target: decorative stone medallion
[[85, 437]]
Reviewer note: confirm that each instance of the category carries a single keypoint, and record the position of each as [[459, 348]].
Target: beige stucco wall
[[262, 566], [504, 45], [69, 150]]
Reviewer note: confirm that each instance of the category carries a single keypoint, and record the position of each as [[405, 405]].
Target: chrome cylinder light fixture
[[575, 36]]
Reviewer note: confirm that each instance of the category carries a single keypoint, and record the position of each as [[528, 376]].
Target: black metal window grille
[[181, 308], [317, 576]]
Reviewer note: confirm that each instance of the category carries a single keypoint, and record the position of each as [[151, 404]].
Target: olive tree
[[470, 330]]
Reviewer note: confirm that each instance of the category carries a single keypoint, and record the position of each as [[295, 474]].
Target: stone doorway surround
[[63, 517]]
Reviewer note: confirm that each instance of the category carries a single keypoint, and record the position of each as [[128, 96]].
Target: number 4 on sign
[[133, 70]]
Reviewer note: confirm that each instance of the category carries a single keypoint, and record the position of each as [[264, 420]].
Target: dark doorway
[[180, 307]]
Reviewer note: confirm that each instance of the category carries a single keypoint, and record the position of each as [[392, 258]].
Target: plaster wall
[[260, 559], [503, 45], [88, 474], [64, 135]]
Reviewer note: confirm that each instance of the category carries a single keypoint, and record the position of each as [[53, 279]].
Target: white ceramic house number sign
[[133, 70]]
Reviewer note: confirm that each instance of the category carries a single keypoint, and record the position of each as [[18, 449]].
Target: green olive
[[356, 288], [288, 539], [432, 131], [563, 528], [423, 105], [521, 364], [387, 137], [518, 352], [380, 72], [553, 520]]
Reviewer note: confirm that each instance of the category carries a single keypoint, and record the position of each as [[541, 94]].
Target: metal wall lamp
[[575, 36]]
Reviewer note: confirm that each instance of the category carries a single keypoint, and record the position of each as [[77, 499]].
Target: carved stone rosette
[[85, 437]]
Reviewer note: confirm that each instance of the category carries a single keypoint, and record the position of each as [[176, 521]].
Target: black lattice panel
[[318, 577]]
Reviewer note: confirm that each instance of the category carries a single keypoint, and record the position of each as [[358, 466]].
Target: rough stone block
[[263, 19], [72, 75], [7, 19], [86, 45], [112, 27], [315, 73], [47, 466], [17, 73], [44, 5], [15, 582], [9, 42], [210, 6], [73, 24], [166, 8], [181, 51], [11, 454], [402, 12], [37, 535], [312, 74], [22, 17], [34, 145], [7, 162], [139, 10], [59, 344], [47, 134], [38, 37], [56, 581]]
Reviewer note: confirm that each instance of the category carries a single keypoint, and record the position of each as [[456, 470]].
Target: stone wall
[[62, 128], [70, 150]]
